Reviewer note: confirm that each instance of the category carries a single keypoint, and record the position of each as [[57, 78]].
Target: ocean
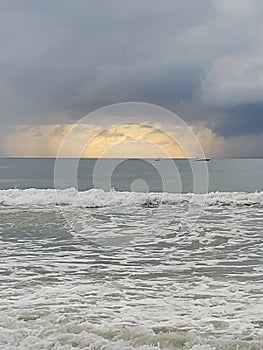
[[124, 264]]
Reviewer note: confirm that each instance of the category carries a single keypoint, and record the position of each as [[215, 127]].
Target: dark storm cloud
[[68, 58], [62, 59], [245, 119]]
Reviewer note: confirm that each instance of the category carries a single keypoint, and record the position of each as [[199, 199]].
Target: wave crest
[[99, 198]]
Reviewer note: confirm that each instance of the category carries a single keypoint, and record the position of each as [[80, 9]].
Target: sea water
[[98, 268]]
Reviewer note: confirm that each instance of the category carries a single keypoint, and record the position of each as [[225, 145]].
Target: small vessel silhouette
[[202, 159]]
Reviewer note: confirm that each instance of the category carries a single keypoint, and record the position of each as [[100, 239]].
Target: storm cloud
[[63, 59]]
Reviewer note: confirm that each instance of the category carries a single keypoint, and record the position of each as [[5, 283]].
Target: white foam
[[130, 279], [100, 198]]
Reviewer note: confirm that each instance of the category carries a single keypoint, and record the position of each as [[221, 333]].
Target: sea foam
[[99, 198]]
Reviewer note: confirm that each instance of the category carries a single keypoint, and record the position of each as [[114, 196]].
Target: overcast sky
[[201, 59]]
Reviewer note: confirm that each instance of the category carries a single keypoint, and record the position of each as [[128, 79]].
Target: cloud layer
[[203, 60]]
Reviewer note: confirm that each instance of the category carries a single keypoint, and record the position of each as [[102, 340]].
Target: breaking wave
[[100, 198]]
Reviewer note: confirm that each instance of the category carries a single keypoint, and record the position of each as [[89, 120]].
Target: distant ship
[[202, 159]]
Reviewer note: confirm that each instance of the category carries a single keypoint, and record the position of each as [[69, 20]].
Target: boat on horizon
[[202, 159]]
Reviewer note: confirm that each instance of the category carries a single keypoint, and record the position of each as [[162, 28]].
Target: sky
[[63, 59]]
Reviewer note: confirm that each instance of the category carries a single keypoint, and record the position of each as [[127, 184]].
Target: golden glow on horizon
[[123, 141], [132, 140], [127, 140]]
